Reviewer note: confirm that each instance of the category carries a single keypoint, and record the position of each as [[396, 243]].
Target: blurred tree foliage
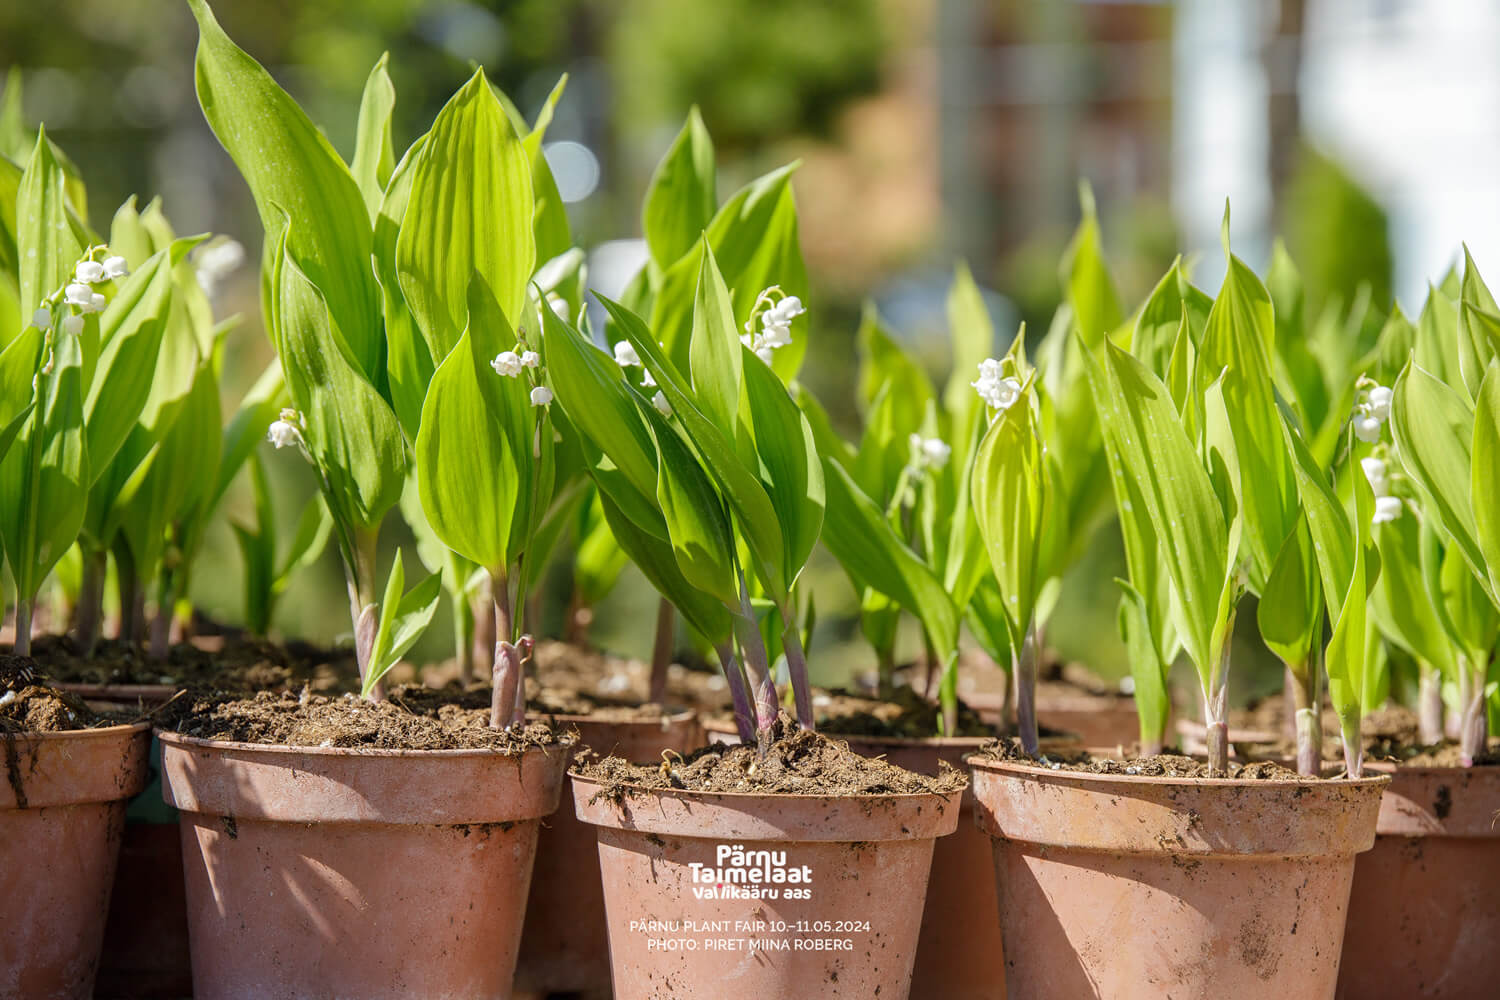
[[756, 68], [1336, 232]]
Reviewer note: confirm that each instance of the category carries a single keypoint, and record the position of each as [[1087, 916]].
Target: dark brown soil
[[906, 714], [241, 662], [542, 701], [29, 705], [796, 762], [313, 720], [1157, 766], [615, 680]]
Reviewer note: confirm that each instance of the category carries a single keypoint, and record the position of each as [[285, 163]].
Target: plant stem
[[359, 573], [1473, 731], [796, 665], [1354, 751], [1024, 668], [1216, 706], [757, 671], [463, 636], [484, 631], [885, 670], [744, 713], [1307, 723], [91, 599], [160, 642], [505, 674], [1429, 704], [24, 607], [661, 651], [1291, 700]]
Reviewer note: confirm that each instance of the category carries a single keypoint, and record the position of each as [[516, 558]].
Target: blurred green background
[[928, 130]]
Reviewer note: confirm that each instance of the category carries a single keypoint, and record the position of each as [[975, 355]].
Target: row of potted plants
[[434, 353]]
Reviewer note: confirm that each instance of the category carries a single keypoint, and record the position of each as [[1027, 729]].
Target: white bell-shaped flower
[[42, 319], [1379, 402], [89, 272], [1367, 428], [541, 396], [72, 325], [660, 402], [78, 294], [1375, 471], [507, 363], [1386, 509], [530, 359], [115, 267], [625, 355]]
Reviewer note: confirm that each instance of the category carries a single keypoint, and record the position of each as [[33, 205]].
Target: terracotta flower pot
[[861, 862], [959, 951], [1135, 887], [564, 943], [145, 950], [1424, 916], [62, 810], [355, 873]]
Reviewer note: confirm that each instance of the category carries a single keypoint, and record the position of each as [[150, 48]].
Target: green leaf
[[469, 211], [313, 528], [1157, 324], [467, 468], [1086, 282], [755, 517], [131, 330], [656, 560], [696, 522], [1236, 342], [550, 216], [294, 172], [1290, 613], [403, 619], [862, 540], [1140, 422], [1434, 430], [1401, 603], [1485, 473], [714, 351], [1153, 700], [374, 156], [1436, 348], [1011, 497], [409, 363], [790, 468], [681, 197], [351, 432], [45, 245], [248, 427]]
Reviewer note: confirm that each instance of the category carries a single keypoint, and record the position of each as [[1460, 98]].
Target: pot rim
[[173, 738], [673, 715], [1018, 769], [31, 735], [692, 793]]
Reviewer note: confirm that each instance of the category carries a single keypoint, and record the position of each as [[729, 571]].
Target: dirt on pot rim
[[28, 704], [1163, 765], [797, 762], [304, 719]]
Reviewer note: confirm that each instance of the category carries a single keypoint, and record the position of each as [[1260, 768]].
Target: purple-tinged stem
[[1025, 676], [757, 670], [1307, 723], [744, 712], [1473, 727], [796, 666], [506, 675]]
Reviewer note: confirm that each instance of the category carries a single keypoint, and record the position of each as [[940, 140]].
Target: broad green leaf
[[829, 443], [1157, 324], [1011, 498], [681, 197], [351, 432], [44, 475], [1140, 421], [973, 338], [790, 468], [696, 522], [1153, 700], [311, 537], [131, 330], [374, 156], [1401, 603], [861, 539], [469, 211], [409, 363], [467, 468], [756, 519], [247, 428], [1236, 343], [1479, 338], [714, 351], [45, 245], [1327, 523], [597, 559], [1290, 613], [294, 172], [1436, 348], [1086, 282], [403, 619], [1485, 473], [1434, 430], [655, 559]]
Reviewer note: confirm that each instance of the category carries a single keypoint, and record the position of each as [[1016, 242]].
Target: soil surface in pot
[[1393, 734], [241, 662], [796, 762], [410, 718], [541, 699], [28, 704], [1164, 765]]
